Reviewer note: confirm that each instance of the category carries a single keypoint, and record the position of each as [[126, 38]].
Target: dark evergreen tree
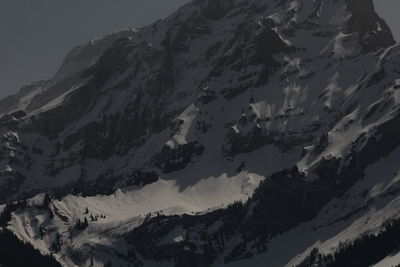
[[364, 251], [79, 225], [15, 253]]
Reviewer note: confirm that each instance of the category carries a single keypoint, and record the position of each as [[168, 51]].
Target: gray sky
[[389, 10], [35, 35]]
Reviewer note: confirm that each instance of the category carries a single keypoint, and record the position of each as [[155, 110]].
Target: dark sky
[[35, 35]]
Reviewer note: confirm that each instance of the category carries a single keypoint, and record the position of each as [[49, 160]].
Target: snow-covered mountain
[[234, 132]]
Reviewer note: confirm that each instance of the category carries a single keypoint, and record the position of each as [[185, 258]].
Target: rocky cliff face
[[261, 121]]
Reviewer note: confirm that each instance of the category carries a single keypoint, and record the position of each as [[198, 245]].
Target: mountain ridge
[[159, 136]]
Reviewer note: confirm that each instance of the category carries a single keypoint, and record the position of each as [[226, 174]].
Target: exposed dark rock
[[236, 143], [170, 160], [216, 9], [268, 43], [10, 184], [141, 177], [373, 31]]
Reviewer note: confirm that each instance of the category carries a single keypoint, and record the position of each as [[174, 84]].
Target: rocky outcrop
[[373, 31]]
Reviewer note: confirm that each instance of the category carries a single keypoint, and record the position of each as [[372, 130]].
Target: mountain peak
[[373, 31], [211, 137]]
